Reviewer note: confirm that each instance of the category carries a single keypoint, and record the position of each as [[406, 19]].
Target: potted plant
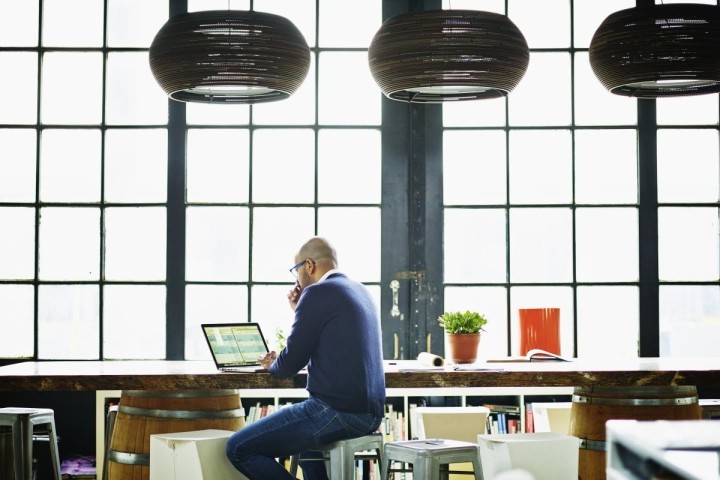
[[462, 331]]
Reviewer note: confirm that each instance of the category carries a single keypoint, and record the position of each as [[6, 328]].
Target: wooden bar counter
[[177, 375]]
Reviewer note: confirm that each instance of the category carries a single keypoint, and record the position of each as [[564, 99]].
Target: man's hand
[[294, 295], [267, 359]]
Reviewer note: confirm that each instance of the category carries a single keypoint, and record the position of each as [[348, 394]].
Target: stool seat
[[23, 423], [426, 456], [341, 455]]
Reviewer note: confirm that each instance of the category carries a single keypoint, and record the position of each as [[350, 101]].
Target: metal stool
[[426, 456], [340, 456], [22, 421]]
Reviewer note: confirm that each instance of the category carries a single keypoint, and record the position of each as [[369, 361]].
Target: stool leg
[[22, 448], [384, 467], [428, 468], [109, 428], [294, 464], [54, 454], [477, 468], [342, 464]]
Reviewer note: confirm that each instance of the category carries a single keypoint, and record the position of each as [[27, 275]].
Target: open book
[[534, 355]]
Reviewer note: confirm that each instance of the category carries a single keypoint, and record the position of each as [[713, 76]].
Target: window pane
[[607, 244], [606, 166], [475, 246], [688, 244], [69, 243], [76, 24], [467, 114], [16, 321], [299, 12], [20, 108], [532, 16], [689, 320], [271, 310], [355, 233], [70, 166], [488, 301], [134, 23], [69, 322], [299, 109], [17, 243], [540, 166], [278, 234], [497, 6], [349, 166], [136, 165], [347, 92], [474, 167], [589, 14], [543, 95], [343, 24], [127, 310], [692, 110], [211, 304], [217, 165], [133, 95], [217, 244], [18, 24], [200, 5], [543, 297], [72, 88], [135, 243], [17, 165], [688, 166], [541, 245], [594, 104], [217, 114], [283, 166], [608, 322]]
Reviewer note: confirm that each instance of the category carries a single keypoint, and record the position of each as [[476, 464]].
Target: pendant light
[[659, 51], [229, 56], [435, 56]]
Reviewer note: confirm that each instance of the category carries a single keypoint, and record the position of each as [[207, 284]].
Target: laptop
[[236, 347]]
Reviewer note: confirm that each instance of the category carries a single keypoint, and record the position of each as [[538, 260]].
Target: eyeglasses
[[294, 269]]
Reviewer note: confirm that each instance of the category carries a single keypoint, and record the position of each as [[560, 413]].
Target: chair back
[[452, 423]]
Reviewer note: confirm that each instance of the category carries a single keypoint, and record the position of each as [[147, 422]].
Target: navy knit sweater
[[336, 333]]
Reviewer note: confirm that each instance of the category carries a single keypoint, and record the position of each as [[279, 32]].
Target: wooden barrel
[[143, 413], [593, 406]]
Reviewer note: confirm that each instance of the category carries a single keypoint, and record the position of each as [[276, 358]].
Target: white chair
[[452, 423], [552, 417]]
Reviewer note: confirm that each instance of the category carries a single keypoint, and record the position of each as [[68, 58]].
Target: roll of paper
[[431, 360]]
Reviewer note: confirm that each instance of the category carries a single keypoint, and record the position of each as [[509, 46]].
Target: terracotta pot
[[463, 347]]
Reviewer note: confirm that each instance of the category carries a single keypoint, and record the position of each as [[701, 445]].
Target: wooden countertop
[[173, 375]]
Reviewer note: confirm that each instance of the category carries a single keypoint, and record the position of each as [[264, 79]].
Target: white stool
[[22, 421], [340, 456], [426, 456]]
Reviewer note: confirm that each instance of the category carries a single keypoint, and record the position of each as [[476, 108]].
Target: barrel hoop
[[595, 445], [636, 402], [129, 458], [182, 414], [179, 393]]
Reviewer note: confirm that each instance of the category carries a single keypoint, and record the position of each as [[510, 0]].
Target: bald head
[[320, 251]]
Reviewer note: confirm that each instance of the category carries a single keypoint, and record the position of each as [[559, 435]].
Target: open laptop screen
[[235, 345]]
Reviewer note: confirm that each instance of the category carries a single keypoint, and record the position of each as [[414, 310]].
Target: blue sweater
[[336, 333]]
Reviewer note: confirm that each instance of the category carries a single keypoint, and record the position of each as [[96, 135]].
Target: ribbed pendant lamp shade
[[229, 56], [446, 55], [659, 51]]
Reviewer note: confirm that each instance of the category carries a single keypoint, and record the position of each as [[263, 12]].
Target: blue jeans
[[294, 429]]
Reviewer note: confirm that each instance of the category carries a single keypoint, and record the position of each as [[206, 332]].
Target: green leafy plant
[[462, 322]]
